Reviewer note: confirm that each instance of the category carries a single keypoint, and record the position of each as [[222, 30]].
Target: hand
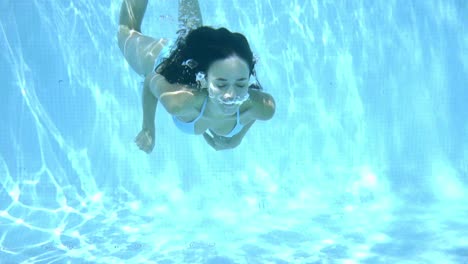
[[145, 140], [220, 142]]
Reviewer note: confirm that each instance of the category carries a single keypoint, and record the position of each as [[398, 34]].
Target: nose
[[230, 94]]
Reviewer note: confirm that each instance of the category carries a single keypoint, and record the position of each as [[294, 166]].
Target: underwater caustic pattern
[[365, 160]]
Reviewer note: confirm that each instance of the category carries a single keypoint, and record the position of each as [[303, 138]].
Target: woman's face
[[228, 82]]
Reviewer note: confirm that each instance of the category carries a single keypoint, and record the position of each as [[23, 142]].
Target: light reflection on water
[[364, 162]]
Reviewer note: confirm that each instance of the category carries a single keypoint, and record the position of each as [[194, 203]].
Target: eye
[[222, 85]]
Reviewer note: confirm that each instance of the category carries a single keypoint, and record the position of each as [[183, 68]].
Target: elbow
[[269, 108]]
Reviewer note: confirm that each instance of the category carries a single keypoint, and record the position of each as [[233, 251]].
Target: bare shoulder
[[178, 99], [262, 105]]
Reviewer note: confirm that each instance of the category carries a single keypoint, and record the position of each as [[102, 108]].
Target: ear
[[201, 80], [204, 84]]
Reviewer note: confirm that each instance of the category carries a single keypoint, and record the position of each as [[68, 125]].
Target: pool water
[[365, 160]]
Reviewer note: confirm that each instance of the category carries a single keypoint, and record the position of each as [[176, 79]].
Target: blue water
[[365, 161]]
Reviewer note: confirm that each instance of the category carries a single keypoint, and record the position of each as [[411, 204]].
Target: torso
[[221, 125]]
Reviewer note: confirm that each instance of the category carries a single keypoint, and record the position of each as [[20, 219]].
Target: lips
[[230, 103], [238, 100]]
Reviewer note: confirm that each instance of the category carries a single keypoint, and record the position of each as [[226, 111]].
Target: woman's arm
[[149, 102], [176, 98], [261, 106], [145, 140], [222, 143]]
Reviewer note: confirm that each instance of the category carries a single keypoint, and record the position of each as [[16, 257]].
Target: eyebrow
[[224, 80]]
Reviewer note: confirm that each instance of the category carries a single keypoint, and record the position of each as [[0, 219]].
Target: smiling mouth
[[237, 101], [229, 107], [230, 103]]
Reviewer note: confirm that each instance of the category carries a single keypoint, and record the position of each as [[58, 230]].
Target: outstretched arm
[[145, 140], [189, 15], [140, 52]]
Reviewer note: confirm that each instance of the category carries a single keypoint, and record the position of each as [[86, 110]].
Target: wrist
[[148, 125]]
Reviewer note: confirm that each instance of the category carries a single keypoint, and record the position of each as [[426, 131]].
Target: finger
[[149, 147], [141, 145], [206, 135], [221, 142], [148, 138], [142, 140], [210, 140], [137, 138], [143, 148]]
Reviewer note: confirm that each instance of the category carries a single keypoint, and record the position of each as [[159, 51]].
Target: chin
[[230, 109]]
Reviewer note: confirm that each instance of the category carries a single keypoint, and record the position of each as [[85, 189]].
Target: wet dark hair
[[199, 48]]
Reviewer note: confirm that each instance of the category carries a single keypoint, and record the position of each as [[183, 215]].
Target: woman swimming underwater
[[203, 79]]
